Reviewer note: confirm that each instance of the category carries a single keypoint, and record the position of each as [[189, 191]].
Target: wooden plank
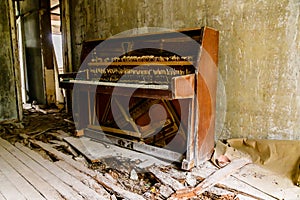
[[65, 191], [66, 32], [139, 63], [85, 148], [59, 135], [125, 85], [16, 76], [97, 176], [43, 187], [212, 179], [115, 130], [207, 68], [231, 183], [122, 91], [89, 181], [189, 161], [8, 190], [166, 179], [221, 174], [161, 153], [27, 190], [272, 184], [1, 197], [205, 170], [95, 151], [77, 185]]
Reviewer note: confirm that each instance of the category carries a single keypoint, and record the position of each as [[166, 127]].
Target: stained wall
[[8, 92], [259, 54]]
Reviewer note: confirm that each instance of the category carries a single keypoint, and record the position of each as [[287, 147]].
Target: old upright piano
[[154, 93]]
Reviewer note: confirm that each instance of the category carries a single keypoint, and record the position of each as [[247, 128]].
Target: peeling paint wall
[[8, 96], [259, 55]]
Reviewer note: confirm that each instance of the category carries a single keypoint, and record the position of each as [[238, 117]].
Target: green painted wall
[[8, 97], [259, 54]]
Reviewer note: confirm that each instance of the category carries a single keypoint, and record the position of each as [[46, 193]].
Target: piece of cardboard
[[280, 156]]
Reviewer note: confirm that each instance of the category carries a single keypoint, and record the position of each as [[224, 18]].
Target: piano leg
[[189, 161]]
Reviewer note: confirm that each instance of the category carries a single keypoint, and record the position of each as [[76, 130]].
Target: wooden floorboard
[[42, 186], [92, 183], [44, 183], [25, 188], [97, 176], [2, 197], [8, 190], [65, 190], [25, 174], [77, 185]]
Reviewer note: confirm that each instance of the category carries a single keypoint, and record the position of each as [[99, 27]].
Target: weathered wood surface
[[221, 174], [26, 189], [92, 183], [211, 180], [30, 175], [64, 189], [27, 175], [233, 183], [8, 190], [97, 176], [1, 197], [166, 178], [65, 177], [95, 151]]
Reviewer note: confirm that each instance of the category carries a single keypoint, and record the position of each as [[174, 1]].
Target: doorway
[[40, 50], [56, 29]]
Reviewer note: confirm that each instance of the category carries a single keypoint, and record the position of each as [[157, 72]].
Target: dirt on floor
[[37, 125]]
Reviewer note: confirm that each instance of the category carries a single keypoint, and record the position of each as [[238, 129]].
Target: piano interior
[[153, 93]]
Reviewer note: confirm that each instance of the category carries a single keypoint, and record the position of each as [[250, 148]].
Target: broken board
[[95, 151]]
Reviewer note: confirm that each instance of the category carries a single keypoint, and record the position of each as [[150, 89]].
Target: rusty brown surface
[[206, 94], [184, 87]]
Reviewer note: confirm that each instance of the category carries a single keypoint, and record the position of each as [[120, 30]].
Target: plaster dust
[[259, 54]]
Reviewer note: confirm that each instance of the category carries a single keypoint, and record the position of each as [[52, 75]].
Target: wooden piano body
[[154, 93]]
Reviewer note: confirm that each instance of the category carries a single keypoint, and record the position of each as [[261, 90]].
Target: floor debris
[[211, 180], [80, 168]]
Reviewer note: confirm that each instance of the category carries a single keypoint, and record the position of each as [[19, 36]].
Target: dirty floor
[[41, 159]]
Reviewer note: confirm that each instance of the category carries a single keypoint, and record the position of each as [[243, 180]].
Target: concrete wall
[[259, 56], [8, 92]]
